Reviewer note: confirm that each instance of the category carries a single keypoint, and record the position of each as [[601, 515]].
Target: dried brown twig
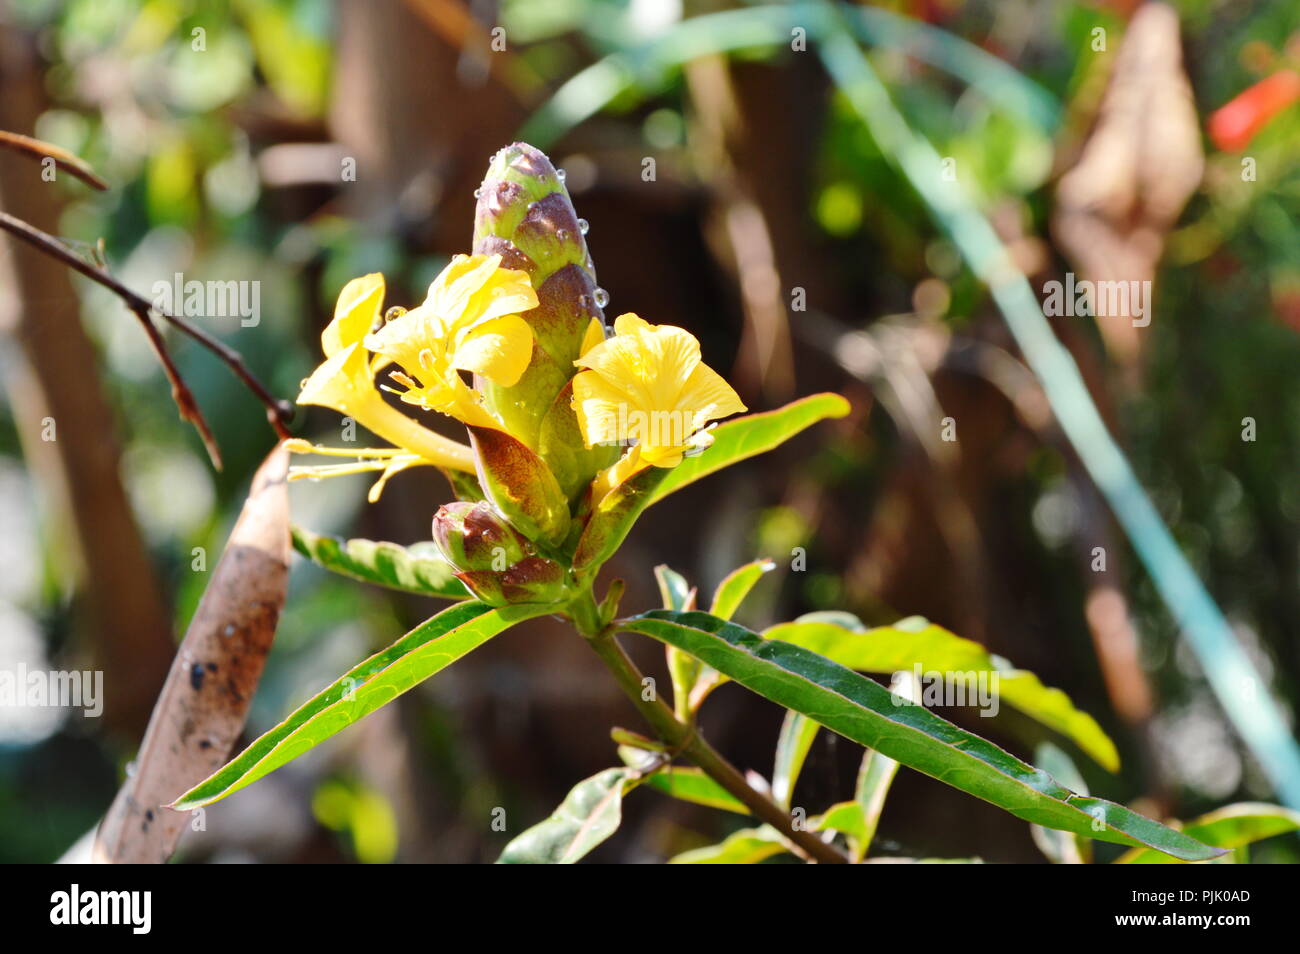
[[63, 159], [278, 412]]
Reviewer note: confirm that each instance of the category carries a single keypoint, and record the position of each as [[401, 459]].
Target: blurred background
[[773, 228]]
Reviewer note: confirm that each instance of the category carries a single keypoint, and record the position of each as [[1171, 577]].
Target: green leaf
[[748, 846], [732, 591], [889, 649], [520, 485], [792, 745], [875, 776], [683, 668], [690, 784], [749, 436], [589, 814], [850, 820], [425, 650], [418, 569], [1232, 827], [864, 711]]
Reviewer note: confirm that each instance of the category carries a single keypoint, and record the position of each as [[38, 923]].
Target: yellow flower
[[469, 322], [648, 386], [345, 383]]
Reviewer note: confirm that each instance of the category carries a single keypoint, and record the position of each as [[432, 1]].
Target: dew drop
[[602, 298], [562, 234], [478, 193], [560, 174], [397, 311], [130, 769], [583, 226]]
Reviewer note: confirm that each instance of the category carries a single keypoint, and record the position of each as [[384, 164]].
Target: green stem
[[687, 740]]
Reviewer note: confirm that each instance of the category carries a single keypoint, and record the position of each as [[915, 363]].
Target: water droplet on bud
[[560, 174], [397, 311], [562, 234], [583, 226], [478, 193], [602, 297]]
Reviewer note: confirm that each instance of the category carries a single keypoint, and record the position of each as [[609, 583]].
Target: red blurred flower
[[1235, 124]]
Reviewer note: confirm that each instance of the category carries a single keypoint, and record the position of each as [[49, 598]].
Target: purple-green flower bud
[[525, 215], [496, 562]]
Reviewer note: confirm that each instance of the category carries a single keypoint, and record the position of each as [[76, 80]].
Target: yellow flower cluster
[[646, 387]]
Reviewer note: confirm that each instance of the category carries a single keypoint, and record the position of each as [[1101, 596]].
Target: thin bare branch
[[62, 158], [278, 412]]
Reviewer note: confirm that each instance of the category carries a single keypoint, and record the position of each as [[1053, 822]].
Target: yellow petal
[[342, 382], [602, 409], [505, 292], [450, 292], [354, 313], [630, 324], [594, 335], [707, 396], [499, 350]]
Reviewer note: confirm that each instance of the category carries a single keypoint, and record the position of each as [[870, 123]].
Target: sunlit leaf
[[889, 649], [1232, 827], [732, 591], [867, 713], [792, 746], [425, 650], [749, 846], [589, 814], [749, 436]]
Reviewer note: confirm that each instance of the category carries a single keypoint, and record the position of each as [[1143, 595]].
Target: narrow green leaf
[[419, 569], [1232, 827], [589, 814], [875, 776], [792, 745], [732, 591], [749, 846], [749, 436], [849, 819], [673, 588], [866, 712], [683, 668], [690, 784], [425, 650], [889, 649]]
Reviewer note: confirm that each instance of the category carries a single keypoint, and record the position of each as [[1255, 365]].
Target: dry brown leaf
[[1139, 166], [203, 705]]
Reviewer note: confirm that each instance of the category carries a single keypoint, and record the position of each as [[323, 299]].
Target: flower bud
[[494, 560], [525, 215]]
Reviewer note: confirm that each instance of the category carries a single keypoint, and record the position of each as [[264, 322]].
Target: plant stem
[[687, 740]]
